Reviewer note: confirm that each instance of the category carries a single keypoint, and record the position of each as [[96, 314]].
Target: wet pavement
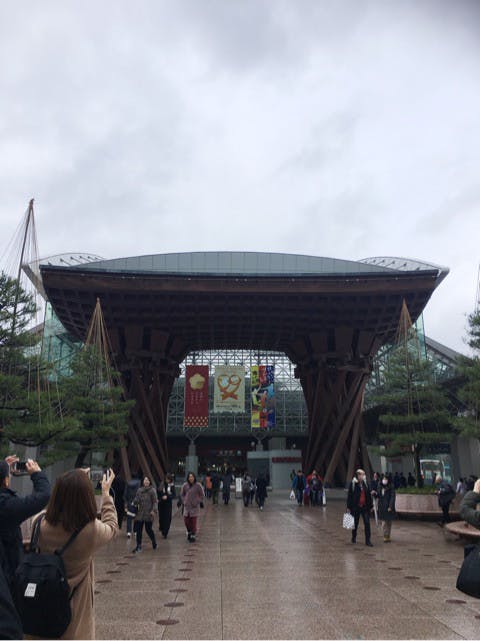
[[288, 572]]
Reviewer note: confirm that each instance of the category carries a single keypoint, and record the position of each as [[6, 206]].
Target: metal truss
[[291, 410]]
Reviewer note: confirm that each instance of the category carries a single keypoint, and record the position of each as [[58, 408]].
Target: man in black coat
[[10, 625], [446, 494], [261, 490], [215, 488], [15, 509], [359, 504]]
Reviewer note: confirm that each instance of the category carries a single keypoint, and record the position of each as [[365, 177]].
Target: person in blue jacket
[[15, 509], [299, 485]]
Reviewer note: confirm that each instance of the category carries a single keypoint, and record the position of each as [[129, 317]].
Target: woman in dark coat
[[386, 506], [166, 494]]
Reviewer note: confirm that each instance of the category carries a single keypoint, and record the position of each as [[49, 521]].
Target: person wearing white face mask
[[386, 506]]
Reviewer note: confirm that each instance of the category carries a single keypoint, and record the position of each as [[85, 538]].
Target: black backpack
[[41, 591]]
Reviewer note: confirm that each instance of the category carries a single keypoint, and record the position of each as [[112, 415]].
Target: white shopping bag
[[348, 521], [292, 495]]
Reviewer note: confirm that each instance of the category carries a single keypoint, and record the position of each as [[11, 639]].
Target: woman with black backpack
[[73, 510]]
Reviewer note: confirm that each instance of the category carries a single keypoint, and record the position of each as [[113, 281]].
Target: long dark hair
[[72, 503], [194, 478]]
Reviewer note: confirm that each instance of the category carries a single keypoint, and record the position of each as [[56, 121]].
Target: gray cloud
[[347, 129]]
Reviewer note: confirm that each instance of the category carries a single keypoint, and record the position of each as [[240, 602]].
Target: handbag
[[468, 580], [348, 521], [292, 495], [132, 510]]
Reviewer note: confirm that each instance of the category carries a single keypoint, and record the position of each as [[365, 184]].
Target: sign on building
[[262, 379], [229, 389], [196, 396]]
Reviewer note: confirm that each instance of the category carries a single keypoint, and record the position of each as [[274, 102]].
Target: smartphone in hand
[[20, 468]]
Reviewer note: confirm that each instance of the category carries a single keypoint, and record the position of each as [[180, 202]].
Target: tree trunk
[[418, 469], [81, 456]]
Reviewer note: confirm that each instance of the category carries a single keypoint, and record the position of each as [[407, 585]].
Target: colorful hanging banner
[[229, 389], [262, 378], [196, 396]]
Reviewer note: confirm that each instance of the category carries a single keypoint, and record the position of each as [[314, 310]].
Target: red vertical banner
[[196, 396]]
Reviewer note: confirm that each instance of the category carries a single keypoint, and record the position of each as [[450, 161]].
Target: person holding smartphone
[[73, 508], [15, 509]]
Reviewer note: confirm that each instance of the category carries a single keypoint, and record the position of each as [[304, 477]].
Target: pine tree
[[72, 417], [27, 410], [469, 369], [92, 395], [414, 409]]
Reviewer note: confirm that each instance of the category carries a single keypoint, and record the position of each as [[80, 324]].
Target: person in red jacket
[[192, 497]]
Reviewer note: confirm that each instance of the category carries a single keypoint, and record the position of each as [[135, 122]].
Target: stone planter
[[423, 505]]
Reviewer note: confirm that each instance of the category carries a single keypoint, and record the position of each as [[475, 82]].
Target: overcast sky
[[343, 129]]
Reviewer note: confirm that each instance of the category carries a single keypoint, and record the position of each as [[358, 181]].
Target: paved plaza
[[285, 573]]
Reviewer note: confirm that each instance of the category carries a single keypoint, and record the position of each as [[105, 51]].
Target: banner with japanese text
[[196, 396], [229, 389], [262, 379]]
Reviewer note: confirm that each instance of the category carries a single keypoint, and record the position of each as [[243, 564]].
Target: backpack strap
[[36, 533], [61, 550]]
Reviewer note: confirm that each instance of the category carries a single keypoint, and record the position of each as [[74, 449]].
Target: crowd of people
[[253, 488], [70, 524], [307, 490]]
